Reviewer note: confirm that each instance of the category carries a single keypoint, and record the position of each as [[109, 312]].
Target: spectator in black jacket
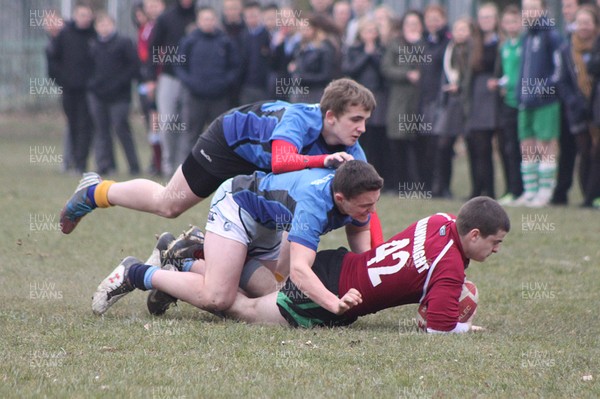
[[212, 66], [437, 36], [53, 24], [70, 60], [256, 53], [169, 29], [234, 26], [316, 59], [283, 43], [115, 65]]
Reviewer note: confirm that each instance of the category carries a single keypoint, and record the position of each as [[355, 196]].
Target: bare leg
[[217, 289], [261, 310], [148, 196]]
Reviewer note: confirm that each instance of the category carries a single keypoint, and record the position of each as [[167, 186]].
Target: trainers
[[189, 245], [113, 287], [507, 199], [164, 240], [79, 204], [541, 200], [523, 200], [158, 302]]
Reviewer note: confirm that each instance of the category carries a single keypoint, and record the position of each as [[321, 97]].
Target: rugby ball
[[467, 304]]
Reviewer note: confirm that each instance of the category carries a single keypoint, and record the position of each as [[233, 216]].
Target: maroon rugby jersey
[[423, 264]]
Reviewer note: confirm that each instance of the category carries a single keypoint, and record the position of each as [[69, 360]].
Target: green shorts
[[299, 310], [541, 123]]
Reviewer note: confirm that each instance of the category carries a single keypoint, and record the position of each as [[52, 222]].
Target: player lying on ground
[[424, 264], [268, 136], [244, 232]]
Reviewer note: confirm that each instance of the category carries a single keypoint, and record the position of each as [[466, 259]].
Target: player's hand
[[348, 301], [336, 159]]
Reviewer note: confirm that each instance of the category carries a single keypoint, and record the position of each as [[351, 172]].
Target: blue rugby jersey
[[249, 130], [299, 202]]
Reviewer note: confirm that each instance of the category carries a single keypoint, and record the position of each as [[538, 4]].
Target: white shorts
[[227, 219]]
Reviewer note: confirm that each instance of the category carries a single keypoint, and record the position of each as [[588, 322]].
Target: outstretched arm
[[302, 259]]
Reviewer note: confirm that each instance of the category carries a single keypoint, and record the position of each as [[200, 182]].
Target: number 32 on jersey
[[393, 248]]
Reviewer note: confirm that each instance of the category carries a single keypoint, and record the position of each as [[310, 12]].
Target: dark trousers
[[442, 166], [79, 126], [404, 164], [479, 147], [108, 116], [426, 150], [566, 161], [510, 151], [592, 189], [376, 145], [199, 112]]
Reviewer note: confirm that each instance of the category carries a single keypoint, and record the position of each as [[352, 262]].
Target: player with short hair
[[267, 136], [246, 220], [424, 264]]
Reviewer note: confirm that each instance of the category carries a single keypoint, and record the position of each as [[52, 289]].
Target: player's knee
[[172, 208], [218, 303]]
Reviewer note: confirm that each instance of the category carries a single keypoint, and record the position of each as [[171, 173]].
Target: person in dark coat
[[168, 31], [115, 66], [71, 62], [212, 67], [437, 36], [482, 119], [400, 67], [256, 53], [316, 59]]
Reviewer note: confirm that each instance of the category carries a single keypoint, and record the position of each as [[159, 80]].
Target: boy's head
[[252, 15], [569, 8], [511, 21], [104, 24], [206, 19], [482, 224], [533, 10], [153, 8], [83, 15], [435, 18], [345, 105], [269, 16], [356, 188]]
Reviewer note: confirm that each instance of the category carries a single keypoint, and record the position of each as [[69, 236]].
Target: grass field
[[539, 300]]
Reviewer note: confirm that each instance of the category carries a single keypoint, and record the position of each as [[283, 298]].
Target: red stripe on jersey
[[396, 272]]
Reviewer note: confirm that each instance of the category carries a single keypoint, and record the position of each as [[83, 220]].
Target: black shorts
[[300, 311], [211, 162]]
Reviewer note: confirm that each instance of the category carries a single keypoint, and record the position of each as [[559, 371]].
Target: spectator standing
[[168, 31], [70, 58], [342, 13], [539, 105], [145, 19], [577, 88], [360, 8], [233, 23], [362, 62], [507, 72], [482, 119], [400, 67], [453, 105], [256, 54], [115, 66], [316, 59], [437, 36], [283, 44], [212, 67]]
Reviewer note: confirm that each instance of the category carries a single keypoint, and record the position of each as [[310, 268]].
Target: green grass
[[539, 301]]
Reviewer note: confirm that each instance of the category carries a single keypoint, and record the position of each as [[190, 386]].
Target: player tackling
[[424, 264]]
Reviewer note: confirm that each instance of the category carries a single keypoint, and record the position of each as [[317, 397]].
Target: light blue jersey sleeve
[[300, 125]]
